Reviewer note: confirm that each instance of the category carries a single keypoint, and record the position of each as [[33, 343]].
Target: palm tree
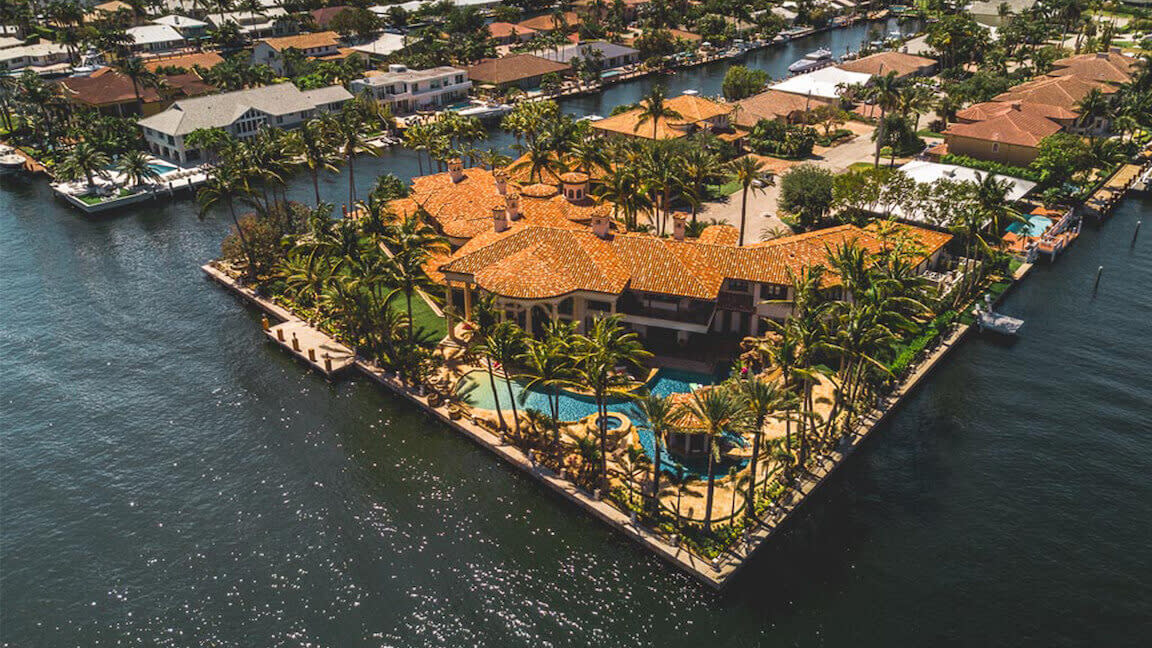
[[653, 108], [84, 160], [547, 367], [884, 92], [1092, 106], [314, 142], [761, 399], [745, 170], [505, 344], [141, 77], [349, 138], [715, 410], [634, 461], [412, 241], [222, 187], [136, 168], [597, 354], [698, 166], [660, 415], [484, 315]]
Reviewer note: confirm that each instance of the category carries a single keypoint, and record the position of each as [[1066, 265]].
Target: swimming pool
[[1035, 227], [476, 389], [161, 168]]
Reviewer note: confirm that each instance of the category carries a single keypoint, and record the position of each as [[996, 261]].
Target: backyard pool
[[161, 168], [476, 389], [1035, 227]]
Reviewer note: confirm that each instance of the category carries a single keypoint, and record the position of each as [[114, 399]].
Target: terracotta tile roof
[[506, 29], [720, 235], [513, 68], [1055, 91], [1105, 67], [774, 104], [693, 110], [304, 41], [1013, 127], [545, 23], [206, 60], [325, 14], [463, 210], [990, 109], [520, 169], [535, 262], [884, 62], [188, 84], [105, 87]]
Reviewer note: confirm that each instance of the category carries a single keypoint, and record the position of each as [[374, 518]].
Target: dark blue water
[[167, 478]]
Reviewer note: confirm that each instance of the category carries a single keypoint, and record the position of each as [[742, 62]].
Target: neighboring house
[[242, 113], [43, 57], [990, 109], [610, 55], [696, 114], [266, 23], [506, 33], [270, 51], [773, 105], [407, 91], [206, 60], [106, 10], [324, 15], [931, 172], [631, 8], [380, 48], [112, 93], [987, 12], [546, 23], [883, 63], [826, 83], [524, 71], [1110, 67], [1063, 92], [1013, 137], [155, 38], [190, 28]]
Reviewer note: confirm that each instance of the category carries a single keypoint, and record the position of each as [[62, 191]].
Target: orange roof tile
[[304, 41], [1013, 127], [1106, 67], [1063, 91], [206, 60], [693, 110], [774, 104], [506, 29], [990, 109], [513, 68], [884, 62]]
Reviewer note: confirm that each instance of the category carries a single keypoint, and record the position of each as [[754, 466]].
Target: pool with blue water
[[1035, 227]]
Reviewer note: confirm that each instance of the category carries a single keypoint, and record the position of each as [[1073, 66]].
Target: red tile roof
[[105, 87], [514, 68], [1064, 91], [884, 62], [990, 109], [1013, 127]]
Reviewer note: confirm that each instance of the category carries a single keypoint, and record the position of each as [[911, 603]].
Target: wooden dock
[[1101, 203]]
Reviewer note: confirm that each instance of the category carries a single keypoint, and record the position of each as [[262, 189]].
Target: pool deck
[[716, 573]]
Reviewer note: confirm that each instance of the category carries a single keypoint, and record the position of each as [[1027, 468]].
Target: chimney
[[499, 219], [501, 181], [601, 225], [1101, 55], [679, 222], [575, 185], [456, 169], [1015, 105], [512, 205]]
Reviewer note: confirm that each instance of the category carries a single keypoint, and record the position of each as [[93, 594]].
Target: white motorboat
[[10, 160], [989, 320], [89, 63], [811, 61], [485, 111]]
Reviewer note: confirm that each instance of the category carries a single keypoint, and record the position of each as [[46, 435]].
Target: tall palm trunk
[[743, 213], [495, 394], [351, 180], [756, 439], [711, 489], [656, 461], [316, 184]]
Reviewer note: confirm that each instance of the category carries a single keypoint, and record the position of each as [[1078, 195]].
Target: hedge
[[998, 168]]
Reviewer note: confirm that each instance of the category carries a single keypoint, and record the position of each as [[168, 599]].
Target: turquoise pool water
[[476, 389], [1036, 226], [161, 168]]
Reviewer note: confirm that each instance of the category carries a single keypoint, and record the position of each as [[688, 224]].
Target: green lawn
[[726, 189], [430, 327]]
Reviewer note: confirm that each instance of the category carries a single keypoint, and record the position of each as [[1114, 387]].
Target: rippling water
[[168, 478]]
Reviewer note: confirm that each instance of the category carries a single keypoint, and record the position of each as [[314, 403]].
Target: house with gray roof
[[610, 55], [406, 90], [242, 113]]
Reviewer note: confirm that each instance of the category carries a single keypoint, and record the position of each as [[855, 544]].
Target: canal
[[168, 478]]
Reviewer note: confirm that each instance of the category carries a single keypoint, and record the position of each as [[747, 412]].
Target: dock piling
[[1137, 232], [1099, 271], [312, 355], [264, 322], [296, 342], [280, 334]]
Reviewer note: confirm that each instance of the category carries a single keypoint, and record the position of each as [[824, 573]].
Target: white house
[[610, 55], [270, 21], [242, 113], [42, 57], [411, 90], [383, 46], [189, 28], [826, 83], [155, 38]]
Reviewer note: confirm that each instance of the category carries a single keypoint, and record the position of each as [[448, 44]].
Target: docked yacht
[[89, 63], [10, 160], [811, 61]]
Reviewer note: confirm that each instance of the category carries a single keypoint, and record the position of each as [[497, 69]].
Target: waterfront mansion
[[242, 113], [550, 251]]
